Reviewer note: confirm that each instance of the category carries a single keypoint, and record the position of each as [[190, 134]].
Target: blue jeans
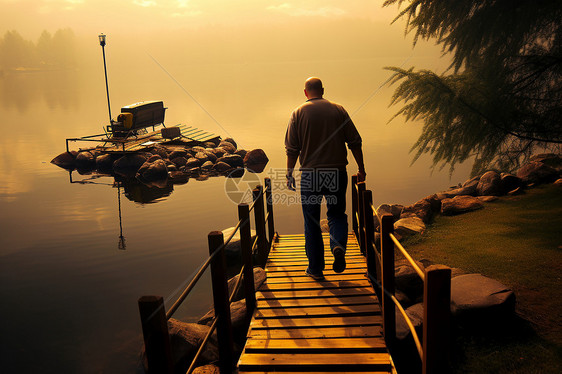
[[332, 185]]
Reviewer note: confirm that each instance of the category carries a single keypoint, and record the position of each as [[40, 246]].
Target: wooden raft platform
[[302, 325]]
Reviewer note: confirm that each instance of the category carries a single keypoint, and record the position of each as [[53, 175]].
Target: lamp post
[[102, 43]]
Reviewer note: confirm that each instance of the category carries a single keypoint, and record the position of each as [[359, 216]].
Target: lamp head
[[102, 39]]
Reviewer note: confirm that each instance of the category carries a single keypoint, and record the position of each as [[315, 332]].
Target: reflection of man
[[317, 133]]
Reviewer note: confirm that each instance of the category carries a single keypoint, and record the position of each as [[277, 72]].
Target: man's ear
[[306, 93]]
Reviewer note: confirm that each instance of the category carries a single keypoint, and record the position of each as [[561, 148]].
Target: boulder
[[202, 156], [477, 298], [549, 159], [178, 177], [255, 157], [231, 141], [233, 247], [409, 226], [211, 156], [66, 160], [517, 191], [219, 151], [236, 173], [421, 209], [197, 149], [241, 152], [129, 162], [238, 318], [207, 165], [179, 161], [178, 153], [487, 199], [193, 171], [154, 158], [460, 204], [490, 184], [394, 209], [434, 201], [85, 160], [259, 278], [160, 151], [232, 160], [221, 167], [210, 144], [407, 279], [537, 172], [227, 147], [193, 163], [185, 339], [171, 167], [509, 182], [415, 313], [153, 171], [104, 162]]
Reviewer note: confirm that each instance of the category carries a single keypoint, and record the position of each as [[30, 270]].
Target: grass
[[518, 241]]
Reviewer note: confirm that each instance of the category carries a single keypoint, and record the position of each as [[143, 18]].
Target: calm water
[[69, 294]]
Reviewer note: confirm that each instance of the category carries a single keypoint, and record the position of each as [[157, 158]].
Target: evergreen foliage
[[502, 96]]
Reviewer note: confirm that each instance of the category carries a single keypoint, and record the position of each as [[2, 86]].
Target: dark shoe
[[339, 260], [317, 277]]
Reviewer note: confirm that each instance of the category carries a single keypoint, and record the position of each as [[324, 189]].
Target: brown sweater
[[317, 133]]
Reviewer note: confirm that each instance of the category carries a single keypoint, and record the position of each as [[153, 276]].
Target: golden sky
[[30, 17]]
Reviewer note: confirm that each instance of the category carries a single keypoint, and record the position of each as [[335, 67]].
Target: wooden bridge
[[346, 323]]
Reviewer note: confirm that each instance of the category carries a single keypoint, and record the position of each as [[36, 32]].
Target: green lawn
[[518, 241]]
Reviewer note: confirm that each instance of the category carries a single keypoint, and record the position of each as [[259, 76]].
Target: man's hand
[[291, 184], [361, 175]]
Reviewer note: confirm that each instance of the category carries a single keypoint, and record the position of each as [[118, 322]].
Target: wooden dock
[[303, 325]]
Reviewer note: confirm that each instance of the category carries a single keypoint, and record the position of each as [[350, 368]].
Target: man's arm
[[358, 155], [291, 162]]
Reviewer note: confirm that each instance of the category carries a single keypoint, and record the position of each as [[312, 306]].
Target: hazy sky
[[30, 17]]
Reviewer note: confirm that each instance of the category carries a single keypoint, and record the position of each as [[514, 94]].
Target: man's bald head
[[313, 88]]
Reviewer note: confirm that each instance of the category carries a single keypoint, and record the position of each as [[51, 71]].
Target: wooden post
[[269, 203], [155, 332], [221, 302], [387, 257], [361, 228], [246, 247], [436, 319], [260, 225], [369, 233], [354, 222]]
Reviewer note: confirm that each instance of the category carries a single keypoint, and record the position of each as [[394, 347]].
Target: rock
[[324, 225], [434, 202], [549, 159], [219, 152], [517, 191], [238, 319], [487, 199], [409, 226], [85, 160], [104, 162], [407, 279], [221, 167], [402, 298], [185, 339], [193, 163], [490, 184], [153, 171], [197, 149], [65, 160], [201, 156], [232, 160], [154, 158], [509, 182], [477, 298], [537, 172], [179, 161], [255, 157], [394, 209], [207, 165], [160, 151], [558, 182], [228, 147], [129, 162], [460, 204], [415, 313], [178, 153], [210, 144], [231, 141], [211, 156], [259, 278], [178, 177], [241, 152], [193, 171], [236, 173], [421, 209], [206, 369]]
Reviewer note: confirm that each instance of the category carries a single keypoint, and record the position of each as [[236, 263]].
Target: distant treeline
[[54, 51]]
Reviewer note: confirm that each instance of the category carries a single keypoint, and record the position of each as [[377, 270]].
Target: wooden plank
[[287, 303], [318, 332], [307, 293], [300, 273], [315, 285], [316, 322], [310, 372], [319, 311], [301, 267], [302, 278], [307, 362], [336, 345]]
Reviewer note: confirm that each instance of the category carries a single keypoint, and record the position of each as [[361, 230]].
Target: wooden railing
[[434, 350], [154, 316]]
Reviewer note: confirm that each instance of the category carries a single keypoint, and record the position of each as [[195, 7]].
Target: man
[[317, 134]]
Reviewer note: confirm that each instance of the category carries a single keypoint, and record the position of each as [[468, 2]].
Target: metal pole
[[106, 85]]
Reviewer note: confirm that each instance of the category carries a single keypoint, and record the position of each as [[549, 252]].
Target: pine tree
[[501, 99]]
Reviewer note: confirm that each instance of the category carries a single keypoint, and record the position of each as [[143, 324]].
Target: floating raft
[[303, 325]]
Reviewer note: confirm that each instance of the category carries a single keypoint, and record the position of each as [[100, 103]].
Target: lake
[[69, 293]]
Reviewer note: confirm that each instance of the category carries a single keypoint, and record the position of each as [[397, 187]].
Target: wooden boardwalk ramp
[[302, 325]]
